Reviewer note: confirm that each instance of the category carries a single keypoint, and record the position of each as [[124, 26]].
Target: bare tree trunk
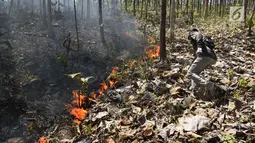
[[126, 5], [250, 21], [69, 10], [134, 11], [177, 8], [101, 21], [192, 12], [146, 10], [187, 7], [172, 19], [32, 7], [50, 30], [58, 5], [10, 7], [206, 8], [245, 2], [82, 8], [41, 13], [77, 34], [163, 32], [44, 13], [88, 9], [142, 9]]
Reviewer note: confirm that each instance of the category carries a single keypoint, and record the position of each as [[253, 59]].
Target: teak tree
[[163, 32], [101, 21]]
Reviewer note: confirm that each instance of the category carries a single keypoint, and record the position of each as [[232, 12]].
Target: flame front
[[79, 113], [103, 88], [43, 140], [153, 52]]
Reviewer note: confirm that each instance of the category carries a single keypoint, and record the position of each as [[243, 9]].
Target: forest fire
[[113, 77], [103, 88], [79, 112], [153, 52], [43, 140]]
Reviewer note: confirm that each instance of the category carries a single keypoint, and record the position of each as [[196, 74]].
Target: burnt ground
[[34, 88]]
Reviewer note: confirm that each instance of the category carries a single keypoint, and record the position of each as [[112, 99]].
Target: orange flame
[[79, 113], [113, 78], [111, 83], [77, 121], [43, 140], [76, 100], [82, 99], [153, 52], [103, 88]]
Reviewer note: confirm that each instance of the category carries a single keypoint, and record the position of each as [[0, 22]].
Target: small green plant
[[243, 83], [88, 129], [230, 74], [237, 94], [229, 138], [62, 60]]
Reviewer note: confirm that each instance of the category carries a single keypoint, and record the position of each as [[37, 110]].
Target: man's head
[[194, 36]]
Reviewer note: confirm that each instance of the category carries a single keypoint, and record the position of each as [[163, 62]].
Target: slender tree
[[126, 5], [172, 19], [146, 9], [32, 7], [250, 21], [10, 8], [163, 32], [245, 2], [58, 5], [50, 30], [88, 9], [142, 9], [44, 13], [82, 9], [134, 11], [101, 21], [206, 8]]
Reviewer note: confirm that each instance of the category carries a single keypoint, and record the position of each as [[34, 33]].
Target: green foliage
[[243, 83], [230, 74], [236, 94], [238, 4], [173, 119], [229, 138], [244, 119], [88, 129], [62, 60]]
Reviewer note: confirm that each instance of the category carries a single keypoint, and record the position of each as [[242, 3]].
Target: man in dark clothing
[[204, 57]]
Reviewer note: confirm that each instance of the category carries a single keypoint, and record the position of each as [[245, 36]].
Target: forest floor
[[153, 103]]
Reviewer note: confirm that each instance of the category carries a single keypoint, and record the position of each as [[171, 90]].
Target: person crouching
[[204, 57]]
